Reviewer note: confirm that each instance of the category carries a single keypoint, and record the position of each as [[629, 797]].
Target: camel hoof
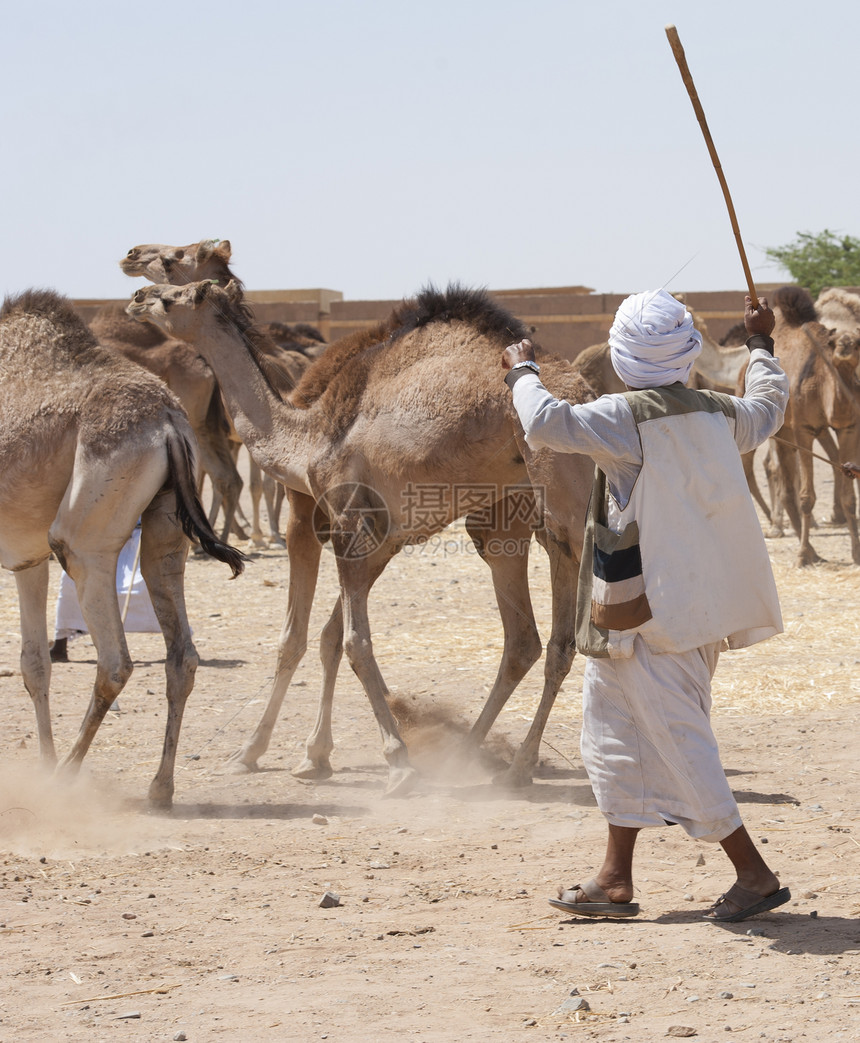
[[309, 770], [400, 781], [258, 541], [241, 763], [160, 799], [514, 778]]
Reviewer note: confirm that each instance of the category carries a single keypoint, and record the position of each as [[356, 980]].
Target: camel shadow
[[264, 810]]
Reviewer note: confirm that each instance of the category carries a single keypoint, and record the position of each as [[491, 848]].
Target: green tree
[[818, 261]]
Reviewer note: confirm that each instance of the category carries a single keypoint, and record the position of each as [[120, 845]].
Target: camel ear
[[224, 250], [201, 291], [205, 249], [233, 291]]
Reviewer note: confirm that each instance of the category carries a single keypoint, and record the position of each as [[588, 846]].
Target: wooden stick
[[680, 58]]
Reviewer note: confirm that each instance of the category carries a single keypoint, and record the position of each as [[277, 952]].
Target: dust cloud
[[56, 816]]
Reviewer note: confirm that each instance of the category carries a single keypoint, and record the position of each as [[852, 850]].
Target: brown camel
[[396, 439], [90, 443], [821, 365]]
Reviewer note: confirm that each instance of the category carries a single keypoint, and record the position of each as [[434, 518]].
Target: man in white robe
[[674, 568]]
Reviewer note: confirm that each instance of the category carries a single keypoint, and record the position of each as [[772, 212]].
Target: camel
[[90, 443], [289, 352], [192, 381], [821, 365], [415, 406]]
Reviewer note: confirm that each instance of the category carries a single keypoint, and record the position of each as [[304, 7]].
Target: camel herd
[[109, 423]]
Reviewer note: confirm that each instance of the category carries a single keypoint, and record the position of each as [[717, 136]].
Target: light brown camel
[[290, 352], [189, 377], [89, 443], [821, 365], [422, 411]]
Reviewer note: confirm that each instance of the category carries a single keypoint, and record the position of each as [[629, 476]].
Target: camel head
[[178, 310], [208, 259], [846, 349]]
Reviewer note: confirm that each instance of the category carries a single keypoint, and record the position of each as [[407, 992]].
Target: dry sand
[[207, 921]]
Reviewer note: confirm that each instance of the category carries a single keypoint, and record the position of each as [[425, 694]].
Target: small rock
[[148, 934], [329, 900], [129, 916], [689, 898], [808, 894], [229, 977], [180, 1037], [727, 995], [128, 1017], [692, 999], [530, 1022], [680, 1030], [319, 820], [700, 861], [379, 865], [575, 1003], [814, 914], [756, 932]]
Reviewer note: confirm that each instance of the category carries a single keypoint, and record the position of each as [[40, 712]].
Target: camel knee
[[291, 650], [526, 651], [359, 652], [112, 676], [559, 658]]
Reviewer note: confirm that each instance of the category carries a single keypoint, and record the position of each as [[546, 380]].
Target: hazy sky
[[372, 147]]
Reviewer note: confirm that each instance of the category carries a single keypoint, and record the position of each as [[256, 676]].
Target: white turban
[[653, 341]]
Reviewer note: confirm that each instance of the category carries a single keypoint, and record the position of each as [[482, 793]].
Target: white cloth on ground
[[140, 618], [648, 746], [653, 341]]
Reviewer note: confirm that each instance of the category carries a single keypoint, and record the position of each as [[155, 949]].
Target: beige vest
[[686, 564]]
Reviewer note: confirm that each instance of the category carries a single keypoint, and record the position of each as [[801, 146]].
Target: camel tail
[[190, 511]]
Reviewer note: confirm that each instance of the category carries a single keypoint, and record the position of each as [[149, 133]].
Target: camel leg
[[320, 743], [504, 546], [788, 470], [32, 586], [303, 549], [255, 484], [849, 450], [273, 493], [560, 650], [95, 581], [357, 575], [775, 491], [163, 552], [828, 444], [807, 554]]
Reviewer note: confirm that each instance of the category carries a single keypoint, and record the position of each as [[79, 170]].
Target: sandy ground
[[207, 923]]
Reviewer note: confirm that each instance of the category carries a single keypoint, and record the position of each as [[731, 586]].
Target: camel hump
[[459, 303], [190, 511], [796, 305], [48, 303]]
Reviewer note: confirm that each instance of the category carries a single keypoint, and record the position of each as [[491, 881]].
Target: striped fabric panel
[[618, 600]]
